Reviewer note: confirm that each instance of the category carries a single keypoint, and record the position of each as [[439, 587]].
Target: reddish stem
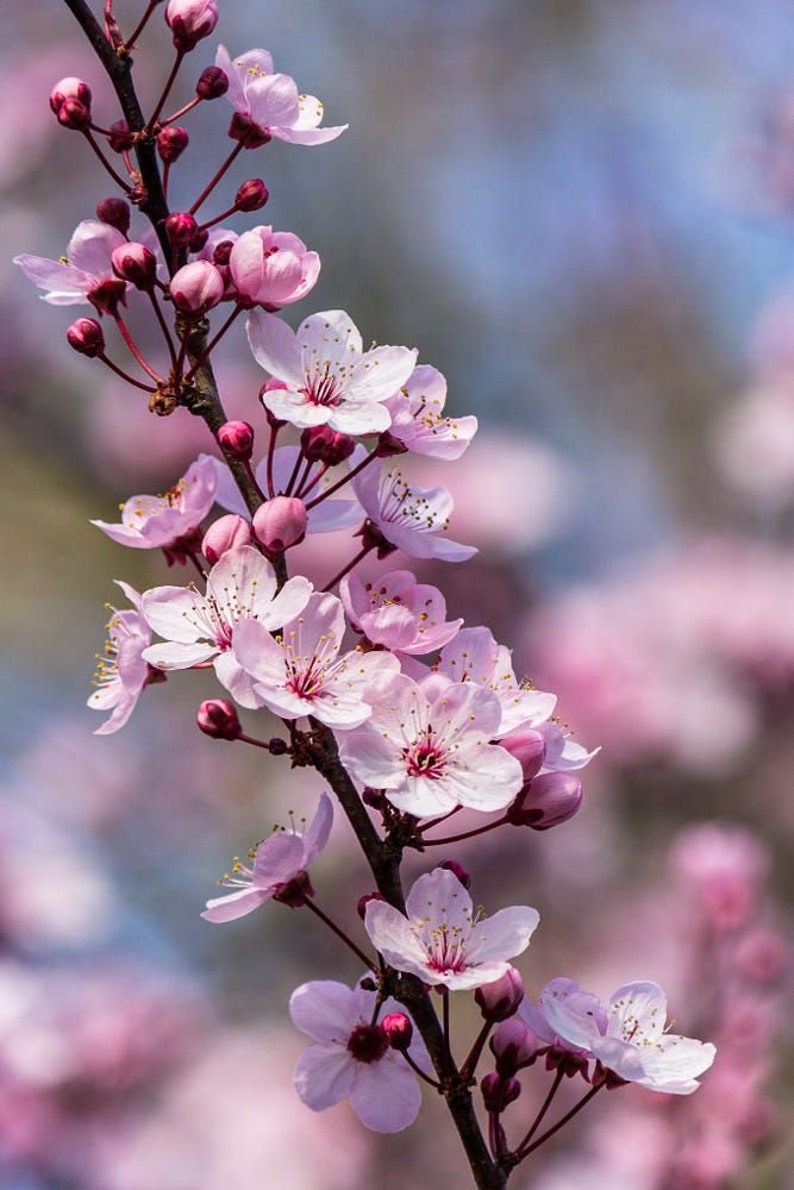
[[213, 182], [346, 569], [130, 42], [117, 178], [169, 82], [125, 334], [309, 903], [147, 388], [341, 482]]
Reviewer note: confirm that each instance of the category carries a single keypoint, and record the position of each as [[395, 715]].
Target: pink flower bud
[[135, 263], [252, 195], [499, 1000], [171, 143], [399, 1030], [115, 212], [74, 115], [212, 83], [85, 335], [237, 439], [227, 533], [197, 287], [528, 747], [322, 444], [121, 138], [280, 523], [190, 21], [514, 1046], [361, 907], [217, 717], [458, 870], [70, 88], [180, 227], [546, 801], [250, 135], [498, 1093]]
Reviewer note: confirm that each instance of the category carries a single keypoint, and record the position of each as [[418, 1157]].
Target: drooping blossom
[[300, 672], [428, 746], [627, 1036], [86, 273], [122, 672], [442, 940], [268, 104], [272, 268], [201, 628], [417, 419], [329, 379], [279, 859], [409, 518], [159, 522], [398, 612], [352, 1059]]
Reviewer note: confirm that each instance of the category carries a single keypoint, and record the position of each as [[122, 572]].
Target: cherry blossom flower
[[329, 378], [627, 1036], [269, 103], [279, 859], [122, 673], [85, 274], [417, 420], [428, 746], [398, 612], [441, 939], [272, 268], [301, 673], [409, 518], [158, 522], [201, 628], [351, 1058]]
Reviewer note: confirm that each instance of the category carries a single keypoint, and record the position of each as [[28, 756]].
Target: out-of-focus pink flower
[[86, 275], [418, 422], [122, 672], [272, 268], [157, 522], [398, 612], [724, 866]]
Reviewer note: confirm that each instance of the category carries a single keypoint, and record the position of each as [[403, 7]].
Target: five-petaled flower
[[417, 420], [398, 612], [152, 522]]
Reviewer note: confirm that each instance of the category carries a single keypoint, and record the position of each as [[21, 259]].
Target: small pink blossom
[[190, 21], [159, 522], [270, 102], [398, 612], [442, 940], [329, 379], [279, 859], [352, 1059], [197, 287], [272, 268], [280, 523], [85, 275], [417, 420], [122, 673]]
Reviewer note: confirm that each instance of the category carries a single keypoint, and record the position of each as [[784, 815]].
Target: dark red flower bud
[[217, 717], [458, 870], [171, 143], [199, 240], [237, 439], [85, 336], [498, 1093], [250, 135], [75, 115], [278, 747], [399, 1030], [135, 263], [121, 138], [221, 253], [296, 891], [322, 444], [180, 227], [252, 195], [115, 212], [212, 83]]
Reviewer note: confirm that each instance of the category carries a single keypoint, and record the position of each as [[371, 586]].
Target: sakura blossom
[[398, 612], [199, 629], [329, 379], [417, 420], [351, 1058], [408, 518], [300, 672], [122, 672], [278, 860], [272, 268], [159, 522], [269, 103], [85, 275], [442, 940], [428, 745], [627, 1036]]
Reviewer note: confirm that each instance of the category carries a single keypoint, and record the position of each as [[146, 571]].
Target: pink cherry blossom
[[351, 1058], [157, 522], [329, 378], [282, 857], [301, 673], [201, 628], [86, 274], [417, 420], [272, 268], [409, 518], [398, 612], [122, 673], [270, 102], [442, 940], [428, 746], [627, 1036]]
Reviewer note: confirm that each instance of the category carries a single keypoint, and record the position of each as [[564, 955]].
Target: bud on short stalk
[[514, 1046], [121, 138], [171, 143], [135, 263], [252, 195], [498, 1093], [115, 212], [190, 21], [180, 228], [74, 115], [70, 88], [280, 523], [361, 907], [546, 801], [227, 533], [217, 718], [237, 439], [399, 1030], [499, 1000], [86, 337], [320, 444], [212, 83], [197, 287]]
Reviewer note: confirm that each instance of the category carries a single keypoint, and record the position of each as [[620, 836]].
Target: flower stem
[[139, 28], [117, 178], [213, 342], [521, 1154], [558, 1077], [362, 553], [169, 82], [309, 904], [127, 337], [345, 478], [213, 182]]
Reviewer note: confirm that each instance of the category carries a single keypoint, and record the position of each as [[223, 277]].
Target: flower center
[[367, 1043], [426, 758], [323, 387]]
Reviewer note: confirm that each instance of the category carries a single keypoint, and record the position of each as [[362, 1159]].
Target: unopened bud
[[399, 1030], [197, 287], [237, 439], [252, 195], [180, 227], [135, 263], [458, 870], [217, 717], [212, 83], [361, 907], [199, 240], [322, 444], [277, 746], [190, 21], [115, 212], [546, 801], [388, 446], [280, 523], [171, 143], [499, 1000], [70, 88], [514, 1046], [74, 115], [249, 134], [528, 747], [498, 1093], [85, 336], [227, 533], [221, 253], [120, 137]]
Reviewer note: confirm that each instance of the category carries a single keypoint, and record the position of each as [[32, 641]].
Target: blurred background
[[582, 212]]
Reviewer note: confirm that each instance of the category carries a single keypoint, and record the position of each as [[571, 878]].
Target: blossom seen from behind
[[122, 673], [152, 522]]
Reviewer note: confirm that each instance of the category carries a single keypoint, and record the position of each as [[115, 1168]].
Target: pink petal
[[275, 347], [324, 1075], [235, 904], [385, 1095], [324, 1010]]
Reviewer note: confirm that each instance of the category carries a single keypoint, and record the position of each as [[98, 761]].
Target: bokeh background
[[582, 212]]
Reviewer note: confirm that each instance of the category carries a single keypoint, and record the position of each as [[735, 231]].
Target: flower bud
[[399, 1030], [499, 1000], [277, 747], [199, 240], [227, 533], [74, 115], [250, 135], [120, 138], [237, 439], [546, 801], [514, 1046], [498, 1093], [361, 907], [197, 287], [85, 336], [212, 83], [280, 523], [251, 195], [388, 446], [135, 263], [190, 21], [70, 88], [217, 718], [324, 445], [180, 227], [115, 212], [458, 870], [171, 143], [528, 747], [221, 253]]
